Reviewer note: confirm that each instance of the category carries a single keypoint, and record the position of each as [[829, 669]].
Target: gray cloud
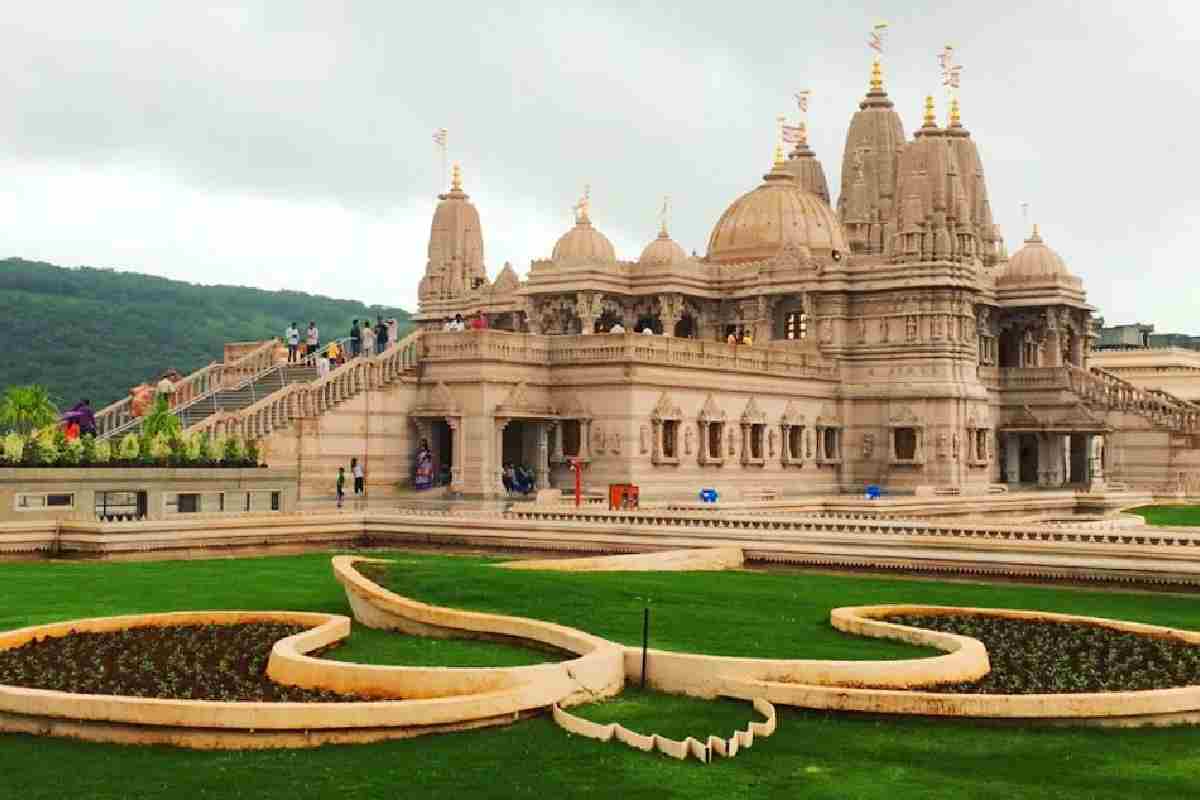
[[288, 144]]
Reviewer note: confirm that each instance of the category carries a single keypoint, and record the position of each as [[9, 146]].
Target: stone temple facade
[[894, 342]]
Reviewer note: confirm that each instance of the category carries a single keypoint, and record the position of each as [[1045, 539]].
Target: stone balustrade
[[566, 350], [1102, 388], [204, 382], [280, 408]]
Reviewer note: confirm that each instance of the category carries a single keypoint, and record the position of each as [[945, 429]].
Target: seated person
[[507, 478], [617, 328]]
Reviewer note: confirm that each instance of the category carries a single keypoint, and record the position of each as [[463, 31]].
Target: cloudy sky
[[288, 144]]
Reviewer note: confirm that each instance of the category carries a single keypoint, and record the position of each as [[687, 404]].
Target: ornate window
[[979, 441], [666, 420], [754, 435], [570, 434], [792, 426], [829, 441], [907, 437], [712, 432]]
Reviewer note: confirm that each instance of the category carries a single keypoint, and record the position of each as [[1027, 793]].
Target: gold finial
[[779, 157], [581, 208], [876, 76], [456, 178], [955, 119], [1036, 235], [662, 216], [803, 136], [930, 115]]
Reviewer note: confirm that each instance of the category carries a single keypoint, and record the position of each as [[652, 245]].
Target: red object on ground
[[622, 496], [577, 468]]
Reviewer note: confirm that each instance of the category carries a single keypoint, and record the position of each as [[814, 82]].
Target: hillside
[[96, 332]]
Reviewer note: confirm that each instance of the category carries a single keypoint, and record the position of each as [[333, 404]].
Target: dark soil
[[1033, 657], [182, 662]]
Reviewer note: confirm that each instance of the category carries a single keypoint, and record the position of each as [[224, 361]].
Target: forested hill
[[96, 332]]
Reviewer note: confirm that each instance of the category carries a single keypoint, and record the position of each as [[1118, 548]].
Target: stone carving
[[808, 442], [826, 330], [771, 443], [614, 443], [883, 330], [943, 442], [868, 445], [689, 437], [644, 440], [862, 329], [732, 440], [598, 440], [912, 328], [954, 446]]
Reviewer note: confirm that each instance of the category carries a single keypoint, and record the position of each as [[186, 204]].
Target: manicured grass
[[782, 614], [370, 646], [1169, 515], [673, 716]]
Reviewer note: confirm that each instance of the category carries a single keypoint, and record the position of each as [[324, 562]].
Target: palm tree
[[26, 408]]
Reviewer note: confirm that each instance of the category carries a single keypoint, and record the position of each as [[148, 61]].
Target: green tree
[[24, 409]]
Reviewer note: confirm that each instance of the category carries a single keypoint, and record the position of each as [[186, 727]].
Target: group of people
[[457, 324], [646, 330], [518, 479], [366, 339], [79, 420], [300, 346], [360, 480]]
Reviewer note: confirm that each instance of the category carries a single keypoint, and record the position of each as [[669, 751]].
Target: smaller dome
[[584, 242], [663, 250], [1036, 260]]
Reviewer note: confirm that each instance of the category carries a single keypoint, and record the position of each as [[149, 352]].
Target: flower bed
[[179, 662], [52, 448], [1049, 657]]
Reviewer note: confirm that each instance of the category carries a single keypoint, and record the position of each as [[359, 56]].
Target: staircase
[[249, 393], [1102, 389], [309, 396]]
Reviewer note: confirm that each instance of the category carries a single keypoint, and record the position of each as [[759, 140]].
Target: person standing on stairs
[[381, 335], [313, 337], [341, 486], [359, 477], [368, 341], [292, 337], [355, 339]]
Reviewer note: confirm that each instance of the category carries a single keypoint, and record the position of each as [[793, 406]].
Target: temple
[[886, 339]]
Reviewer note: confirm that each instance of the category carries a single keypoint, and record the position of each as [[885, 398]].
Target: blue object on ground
[[708, 495], [873, 492]]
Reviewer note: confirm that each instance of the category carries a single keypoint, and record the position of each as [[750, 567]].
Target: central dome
[[777, 215]]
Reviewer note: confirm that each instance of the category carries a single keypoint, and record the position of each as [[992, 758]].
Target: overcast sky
[[288, 144]]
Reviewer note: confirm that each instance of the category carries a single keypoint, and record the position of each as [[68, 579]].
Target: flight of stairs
[[226, 400]]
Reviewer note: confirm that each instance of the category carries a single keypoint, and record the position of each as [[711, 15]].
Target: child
[[357, 471], [341, 486]]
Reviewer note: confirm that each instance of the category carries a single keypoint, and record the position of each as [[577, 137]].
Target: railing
[[490, 345], [1108, 391], [280, 408], [203, 383]]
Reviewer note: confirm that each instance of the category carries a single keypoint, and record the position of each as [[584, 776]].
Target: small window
[[906, 443], [832, 444], [716, 435], [274, 501], [187, 503], [221, 502], [795, 443], [757, 434], [981, 442], [670, 438]]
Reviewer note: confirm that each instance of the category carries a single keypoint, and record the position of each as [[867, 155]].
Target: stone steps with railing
[[297, 400], [1096, 387]]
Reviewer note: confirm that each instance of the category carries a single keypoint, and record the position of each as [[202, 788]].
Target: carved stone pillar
[[1064, 446], [457, 450], [557, 455], [543, 455]]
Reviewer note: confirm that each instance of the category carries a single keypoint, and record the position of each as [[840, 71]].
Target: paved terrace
[[1111, 549]]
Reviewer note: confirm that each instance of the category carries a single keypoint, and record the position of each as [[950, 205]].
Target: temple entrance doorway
[[1029, 458], [441, 442], [524, 454]]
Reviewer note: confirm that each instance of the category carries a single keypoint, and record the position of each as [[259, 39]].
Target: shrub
[[48, 449], [252, 454], [88, 444], [193, 449], [103, 452], [129, 449], [235, 451], [13, 451], [24, 409], [71, 454], [214, 449], [159, 448], [161, 420]]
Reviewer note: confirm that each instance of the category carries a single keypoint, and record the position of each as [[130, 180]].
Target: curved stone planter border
[[674, 748], [1153, 707]]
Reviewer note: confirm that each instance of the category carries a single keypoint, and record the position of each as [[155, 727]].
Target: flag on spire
[[951, 72], [439, 137], [876, 40], [802, 100], [793, 134]]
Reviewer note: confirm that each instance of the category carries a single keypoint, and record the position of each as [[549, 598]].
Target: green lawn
[[1169, 515], [748, 613]]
